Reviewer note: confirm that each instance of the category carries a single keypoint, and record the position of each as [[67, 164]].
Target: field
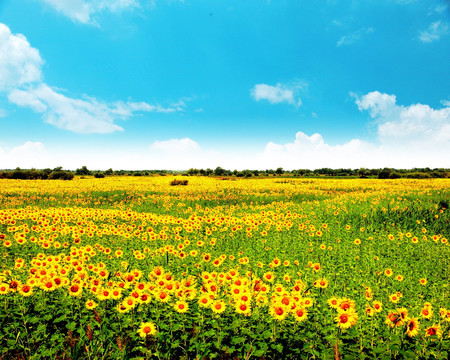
[[276, 268]]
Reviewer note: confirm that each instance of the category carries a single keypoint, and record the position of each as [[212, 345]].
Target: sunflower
[[243, 307], [162, 296], [368, 293], [90, 304], [434, 330], [278, 312], [369, 310], [346, 319], [321, 283], [394, 298], [204, 301], [307, 302], [147, 329], [75, 290], [4, 289], [333, 302], [412, 327], [403, 312], [181, 306], [426, 312], [377, 306], [269, 276], [393, 319], [25, 290], [346, 304], [218, 306], [300, 315], [14, 285]]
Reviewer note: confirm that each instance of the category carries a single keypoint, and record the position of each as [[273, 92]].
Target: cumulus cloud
[[21, 80], [83, 11], [354, 37], [412, 124], [19, 62], [277, 94], [408, 136], [434, 32], [313, 152]]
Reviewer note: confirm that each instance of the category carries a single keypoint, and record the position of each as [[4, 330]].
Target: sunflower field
[[224, 268]]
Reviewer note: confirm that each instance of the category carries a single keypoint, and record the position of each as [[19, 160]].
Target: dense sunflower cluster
[[354, 254]]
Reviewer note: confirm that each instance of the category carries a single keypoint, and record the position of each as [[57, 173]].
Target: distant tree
[[208, 171], [362, 173], [109, 172], [384, 174], [218, 171], [192, 172], [279, 171], [61, 175], [82, 171]]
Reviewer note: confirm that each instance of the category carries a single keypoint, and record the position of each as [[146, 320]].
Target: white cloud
[[28, 155], [313, 152], [434, 32], [19, 62], [412, 124], [277, 94], [21, 80], [353, 37], [176, 146], [408, 136], [83, 11], [83, 116]]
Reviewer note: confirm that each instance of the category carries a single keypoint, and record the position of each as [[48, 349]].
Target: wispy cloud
[[279, 93], [21, 79], [84, 116], [84, 11], [434, 32], [354, 36]]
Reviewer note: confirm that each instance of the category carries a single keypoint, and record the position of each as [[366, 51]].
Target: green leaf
[[259, 353], [277, 347], [238, 340], [71, 326]]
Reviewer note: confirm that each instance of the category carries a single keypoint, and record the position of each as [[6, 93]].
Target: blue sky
[[166, 84]]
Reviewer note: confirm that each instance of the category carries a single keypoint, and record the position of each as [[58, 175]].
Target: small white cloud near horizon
[[353, 37], [278, 94], [83, 11], [434, 32], [28, 155], [176, 146]]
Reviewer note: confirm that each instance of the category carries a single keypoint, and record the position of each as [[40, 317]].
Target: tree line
[[386, 173]]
